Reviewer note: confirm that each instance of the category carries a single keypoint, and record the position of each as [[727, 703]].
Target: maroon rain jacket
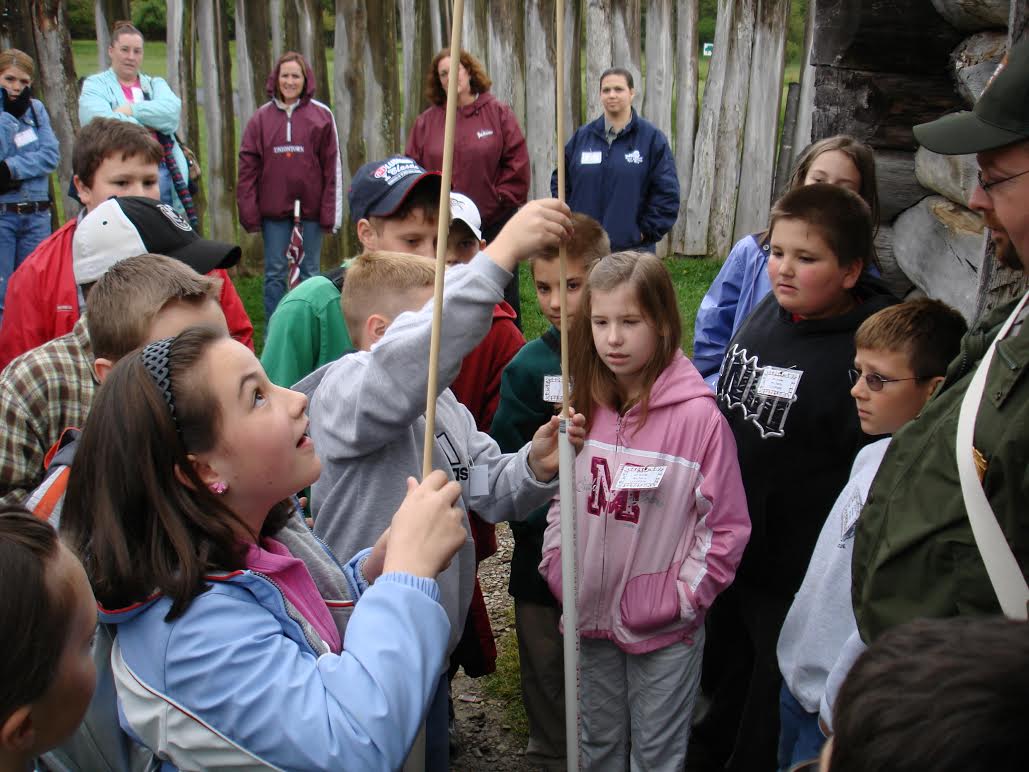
[[491, 162], [288, 156]]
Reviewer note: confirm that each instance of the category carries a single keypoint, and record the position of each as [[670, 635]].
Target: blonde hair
[[123, 302], [379, 283], [655, 295], [13, 57]]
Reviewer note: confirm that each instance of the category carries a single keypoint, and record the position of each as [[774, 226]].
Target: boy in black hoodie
[[784, 389]]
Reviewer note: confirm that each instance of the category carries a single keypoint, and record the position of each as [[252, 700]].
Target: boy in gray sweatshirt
[[902, 355], [367, 408]]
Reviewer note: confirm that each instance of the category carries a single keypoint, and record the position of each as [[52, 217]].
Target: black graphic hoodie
[[785, 391]]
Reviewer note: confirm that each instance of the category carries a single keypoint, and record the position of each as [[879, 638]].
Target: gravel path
[[488, 741]]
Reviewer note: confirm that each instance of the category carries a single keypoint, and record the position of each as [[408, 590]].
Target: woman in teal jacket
[[124, 93]]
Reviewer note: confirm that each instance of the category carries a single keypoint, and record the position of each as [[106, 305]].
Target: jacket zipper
[[274, 584], [606, 516]]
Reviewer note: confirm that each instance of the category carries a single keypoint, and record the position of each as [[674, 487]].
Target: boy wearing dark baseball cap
[[964, 458], [394, 203]]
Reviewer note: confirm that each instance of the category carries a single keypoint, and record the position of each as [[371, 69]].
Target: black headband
[[155, 360]]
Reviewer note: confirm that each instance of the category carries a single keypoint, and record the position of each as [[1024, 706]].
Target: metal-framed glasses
[[874, 380], [987, 185]]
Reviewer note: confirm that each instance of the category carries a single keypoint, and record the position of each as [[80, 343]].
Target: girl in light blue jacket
[[241, 641], [124, 93], [28, 154]]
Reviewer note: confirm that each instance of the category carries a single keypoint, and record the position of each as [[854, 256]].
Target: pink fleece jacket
[[650, 562]]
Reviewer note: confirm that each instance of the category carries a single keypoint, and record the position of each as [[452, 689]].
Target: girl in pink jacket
[[661, 517]]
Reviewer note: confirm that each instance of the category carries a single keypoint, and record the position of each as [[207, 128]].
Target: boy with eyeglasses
[[902, 353]]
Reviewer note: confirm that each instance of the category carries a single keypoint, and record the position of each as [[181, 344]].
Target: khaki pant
[[542, 664]]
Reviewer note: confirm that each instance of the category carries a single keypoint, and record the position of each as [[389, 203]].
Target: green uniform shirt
[[305, 332], [914, 552]]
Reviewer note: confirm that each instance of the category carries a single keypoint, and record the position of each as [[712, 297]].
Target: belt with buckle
[[30, 207]]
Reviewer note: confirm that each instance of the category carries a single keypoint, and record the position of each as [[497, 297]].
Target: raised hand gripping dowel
[[566, 457], [416, 759]]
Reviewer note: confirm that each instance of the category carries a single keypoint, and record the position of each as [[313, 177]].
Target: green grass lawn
[[691, 279]]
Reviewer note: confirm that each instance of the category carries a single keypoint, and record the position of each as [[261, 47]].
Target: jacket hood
[[503, 311], [309, 83], [679, 382], [479, 104]]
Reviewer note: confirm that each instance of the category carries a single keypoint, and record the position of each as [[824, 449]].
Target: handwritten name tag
[[639, 478], [779, 382], [23, 138], [591, 157]]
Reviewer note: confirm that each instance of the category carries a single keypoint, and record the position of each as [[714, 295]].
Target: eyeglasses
[[987, 185], [875, 381]]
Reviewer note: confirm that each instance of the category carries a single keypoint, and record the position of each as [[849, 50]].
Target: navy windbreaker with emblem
[[630, 187]]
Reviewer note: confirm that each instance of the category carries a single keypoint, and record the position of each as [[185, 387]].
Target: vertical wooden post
[[598, 51], [763, 103], [698, 205], [253, 57], [806, 99], [417, 51], [367, 103], [626, 45], [278, 32], [687, 80], [181, 71], [475, 30], [57, 82], [105, 14], [311, 44], [220, 169], [506, 54], [730, 130], [656, 100], [540, 104]]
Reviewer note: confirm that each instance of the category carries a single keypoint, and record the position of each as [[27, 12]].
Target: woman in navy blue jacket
[[620, 170]]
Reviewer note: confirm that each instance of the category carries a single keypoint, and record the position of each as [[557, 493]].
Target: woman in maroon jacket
[[491, 162], [290, 152]]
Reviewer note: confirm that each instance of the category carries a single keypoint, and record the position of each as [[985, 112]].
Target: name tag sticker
[[478, 480], [779, 382], [552, 391], [137, 94], [639, 478], [23, 138], [591, 157]]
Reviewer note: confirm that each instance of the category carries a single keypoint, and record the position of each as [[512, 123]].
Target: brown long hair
[[858, 152], [34, 610], [594, 383], [478, 80], [136, 527]]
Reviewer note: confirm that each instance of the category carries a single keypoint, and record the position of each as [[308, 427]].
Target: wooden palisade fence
[[382, 51]]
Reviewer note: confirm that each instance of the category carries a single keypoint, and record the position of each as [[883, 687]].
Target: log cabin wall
[[882, 66]]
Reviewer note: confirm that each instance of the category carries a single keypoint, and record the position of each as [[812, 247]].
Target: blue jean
[[800, 738], [276, 235], [20, 234], [164, 185]]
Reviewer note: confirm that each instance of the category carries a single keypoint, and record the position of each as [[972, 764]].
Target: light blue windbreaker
[[37, 157], [739, 287], [242, 680], [101, 93]]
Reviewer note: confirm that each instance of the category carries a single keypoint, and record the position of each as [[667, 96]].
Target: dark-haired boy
[[111, 158], [784, 390], [902, 356], [524, 405]]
